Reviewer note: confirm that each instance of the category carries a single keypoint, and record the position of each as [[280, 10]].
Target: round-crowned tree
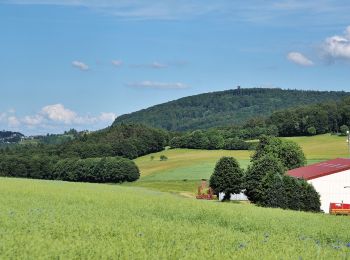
[[227, 177], [291, 155], [289, 152], [255, 174]]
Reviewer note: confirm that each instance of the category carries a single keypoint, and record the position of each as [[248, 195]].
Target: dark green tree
[[343, 130], [227, 177], [255, 174], [290, 153], [273, 193], [310, 199]]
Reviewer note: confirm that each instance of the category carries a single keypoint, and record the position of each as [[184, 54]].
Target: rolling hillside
[[61, 220], [184, 168], [225, 107]]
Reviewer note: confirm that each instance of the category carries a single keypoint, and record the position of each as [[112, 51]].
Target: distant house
[[235, 197], [331, 179]]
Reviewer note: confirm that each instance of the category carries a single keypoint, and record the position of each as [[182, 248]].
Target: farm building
[[331, 180]]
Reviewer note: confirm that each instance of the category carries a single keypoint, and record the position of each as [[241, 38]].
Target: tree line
[[265, 182], [124, 142], [326, 117], [209, 140], [320, 118], [101, 170]]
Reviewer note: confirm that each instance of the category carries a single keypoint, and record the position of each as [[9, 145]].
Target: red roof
[[320, 169]]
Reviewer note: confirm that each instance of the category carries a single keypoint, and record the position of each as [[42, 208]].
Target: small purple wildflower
[[336, 247], [242, 245]]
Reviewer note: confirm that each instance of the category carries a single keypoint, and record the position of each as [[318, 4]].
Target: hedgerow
[[100, 170]]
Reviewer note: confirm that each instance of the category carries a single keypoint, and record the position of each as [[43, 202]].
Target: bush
[[163, 158], [227, 177], [235, 144], [343, 130], [311, 130]]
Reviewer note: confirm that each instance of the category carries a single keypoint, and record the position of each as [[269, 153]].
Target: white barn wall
[[331, 188]]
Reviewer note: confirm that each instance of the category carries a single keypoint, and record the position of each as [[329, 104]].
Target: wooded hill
[[90, 157], [225, 107], [10, 137]]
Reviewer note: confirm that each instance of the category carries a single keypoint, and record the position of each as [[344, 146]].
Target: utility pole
[[348, 141]]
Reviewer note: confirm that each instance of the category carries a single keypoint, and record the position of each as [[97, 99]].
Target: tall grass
[[50, 219]]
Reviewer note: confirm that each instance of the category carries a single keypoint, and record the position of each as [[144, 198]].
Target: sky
[[80, 64]]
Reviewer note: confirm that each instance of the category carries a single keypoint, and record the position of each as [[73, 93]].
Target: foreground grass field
[[185, 167], [52, 220]]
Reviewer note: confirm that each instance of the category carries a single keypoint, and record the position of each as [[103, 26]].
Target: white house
[[331, 179], [236, 197]]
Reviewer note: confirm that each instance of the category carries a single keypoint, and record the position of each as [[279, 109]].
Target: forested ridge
[[224, 108], [324, 117], [10, 137], [102, 156]]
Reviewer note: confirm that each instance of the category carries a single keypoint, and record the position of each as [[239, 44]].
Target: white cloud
[[80, 65], [153, 65], [59, 113], [316, 12], [158, 65], [337, 46], [107, 117], [54, 118], [117, 63], [299, 59], [132, 9], [158, 85], [33, 120], [2, 116], [13, 121]]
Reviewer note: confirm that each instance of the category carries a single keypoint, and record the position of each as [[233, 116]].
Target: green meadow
[[323, 147], [156, 217], [185, 167], [61, 220]]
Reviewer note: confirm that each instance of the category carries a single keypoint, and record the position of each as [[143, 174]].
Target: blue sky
[[72, 63]]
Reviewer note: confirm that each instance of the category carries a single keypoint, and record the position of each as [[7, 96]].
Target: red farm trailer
[[339, 209], [205, 192]]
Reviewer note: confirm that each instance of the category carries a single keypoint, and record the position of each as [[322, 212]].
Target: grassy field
[[185, 167], [322, 147], [52, 220]]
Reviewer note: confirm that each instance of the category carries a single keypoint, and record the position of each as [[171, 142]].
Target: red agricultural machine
[[339, 209], [205, 192]]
